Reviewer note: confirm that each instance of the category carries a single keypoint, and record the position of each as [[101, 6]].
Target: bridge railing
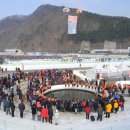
[[63, 87]]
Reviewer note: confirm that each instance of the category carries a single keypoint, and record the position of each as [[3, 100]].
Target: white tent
[[100, 69], [112, 69], [122, 67]]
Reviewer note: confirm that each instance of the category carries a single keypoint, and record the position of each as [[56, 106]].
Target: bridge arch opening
[[69, 94]]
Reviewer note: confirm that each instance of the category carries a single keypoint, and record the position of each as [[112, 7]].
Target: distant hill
[[46, 30]]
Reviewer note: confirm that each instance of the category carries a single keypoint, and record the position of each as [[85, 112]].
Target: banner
[[100, 76], [72, 24], [128, 51], [129, 74]]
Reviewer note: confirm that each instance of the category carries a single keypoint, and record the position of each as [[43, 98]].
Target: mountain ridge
[[46, 30]]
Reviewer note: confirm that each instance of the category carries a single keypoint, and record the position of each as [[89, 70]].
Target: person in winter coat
[[0, 101], [62, 106], [4, 104], [12, 106], [56, 117], [39, 108], [108, 109], [65, 105], [44, 114], [50, 114], [87, 111], [116, 106], [20, 95], [112, 103], [100, 112], [12, 96], [83, 104], [95, 106], [39, 113], [33, 108], [21, 108], [75, 107], [121, 105], [8, 107], [49, 103], [123, 101]]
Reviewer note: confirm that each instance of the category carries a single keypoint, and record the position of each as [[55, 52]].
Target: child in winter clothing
[[87, 111], [100, 112]]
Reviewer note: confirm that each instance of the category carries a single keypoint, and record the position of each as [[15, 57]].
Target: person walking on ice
[[21, 108]]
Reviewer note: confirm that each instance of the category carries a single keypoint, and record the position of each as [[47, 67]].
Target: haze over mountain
[[46, 30]]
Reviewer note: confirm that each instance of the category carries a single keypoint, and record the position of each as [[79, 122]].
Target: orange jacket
[[84, 103]]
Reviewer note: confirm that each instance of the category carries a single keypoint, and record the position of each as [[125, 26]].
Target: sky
[[104, 7]]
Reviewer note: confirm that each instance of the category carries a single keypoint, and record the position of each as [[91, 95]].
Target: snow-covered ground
[[51, 64], [68, 121]]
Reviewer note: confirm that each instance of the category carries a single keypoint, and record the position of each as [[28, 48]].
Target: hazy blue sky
[[105, 7]]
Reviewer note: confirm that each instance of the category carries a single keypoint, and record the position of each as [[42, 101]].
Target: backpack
[[92, 118]]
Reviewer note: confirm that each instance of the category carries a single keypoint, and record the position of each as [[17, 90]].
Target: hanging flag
[[72, 24], [79, 11], [129, 74], [66, 10]]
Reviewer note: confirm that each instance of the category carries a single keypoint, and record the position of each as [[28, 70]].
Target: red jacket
[[120, 103], [87, 110], [84, 103], [44, 113]]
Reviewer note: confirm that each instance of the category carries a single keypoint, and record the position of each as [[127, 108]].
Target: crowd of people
[[41, 57], [108, 100], [1, 60], [23, 57]]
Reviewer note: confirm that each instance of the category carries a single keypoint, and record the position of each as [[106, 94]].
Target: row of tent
[[112, 70], [100, 71], [78, 11], [122, 67]]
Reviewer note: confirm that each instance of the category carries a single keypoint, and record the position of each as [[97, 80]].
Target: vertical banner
[[101, 76], [72, 24], [128, 51], [129, 74]]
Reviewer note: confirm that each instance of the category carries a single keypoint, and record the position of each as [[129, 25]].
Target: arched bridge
[[63, 87]]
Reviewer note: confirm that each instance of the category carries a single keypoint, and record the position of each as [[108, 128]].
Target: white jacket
[[56, 115]]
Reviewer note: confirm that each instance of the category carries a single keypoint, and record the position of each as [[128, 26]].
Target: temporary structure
[[122, 67]]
